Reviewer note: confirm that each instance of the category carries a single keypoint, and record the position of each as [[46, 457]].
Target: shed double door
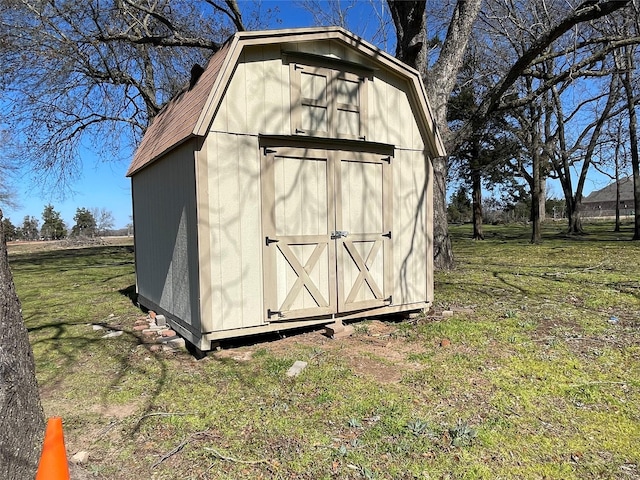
[[326, 218]]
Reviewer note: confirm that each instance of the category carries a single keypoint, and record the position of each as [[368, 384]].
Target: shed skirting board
[[282, 325], [203, 341]]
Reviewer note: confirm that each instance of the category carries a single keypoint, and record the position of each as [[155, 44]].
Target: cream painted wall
[[257, 101]]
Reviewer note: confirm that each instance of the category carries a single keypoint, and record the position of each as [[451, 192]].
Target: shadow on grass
[[88, 256], [551, 231], [131, 293], [70, 352], [66, 295]]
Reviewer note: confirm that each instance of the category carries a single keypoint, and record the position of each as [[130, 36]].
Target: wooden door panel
[[303, 271], [301, 206], [362, 196], [363, 211], [298, 215], [363, 270], [326, 220]]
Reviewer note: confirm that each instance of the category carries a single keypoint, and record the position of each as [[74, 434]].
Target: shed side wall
[[166, 245]]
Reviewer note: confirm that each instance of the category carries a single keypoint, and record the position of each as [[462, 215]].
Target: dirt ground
[[373, 351]]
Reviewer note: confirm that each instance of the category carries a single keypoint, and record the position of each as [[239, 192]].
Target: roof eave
[[132, 172]]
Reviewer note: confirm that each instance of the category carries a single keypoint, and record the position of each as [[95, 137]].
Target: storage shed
[[288, 185]]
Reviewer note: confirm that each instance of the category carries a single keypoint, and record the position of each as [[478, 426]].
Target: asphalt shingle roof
[[176, 122], [608, 193]]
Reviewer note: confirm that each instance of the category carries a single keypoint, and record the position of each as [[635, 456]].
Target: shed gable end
[[318, 89]]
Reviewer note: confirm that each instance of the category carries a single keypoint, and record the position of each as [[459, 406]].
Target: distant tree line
[[87, 223], [514, 207]]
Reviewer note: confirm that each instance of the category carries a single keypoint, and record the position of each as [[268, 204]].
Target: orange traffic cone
[[53, 460]]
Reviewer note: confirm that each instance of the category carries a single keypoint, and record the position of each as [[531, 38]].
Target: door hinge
[[339, 234], [387, 159], [269, 241], [271, 313], [388, 234], [267, 151], [299, 131], [389, 299]]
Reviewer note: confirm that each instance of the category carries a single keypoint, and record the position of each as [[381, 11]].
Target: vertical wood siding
[[257, 99], [391, 118], [166, 235], [410, 227], [232, 240]]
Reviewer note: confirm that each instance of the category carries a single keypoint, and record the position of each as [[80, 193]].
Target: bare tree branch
[[492, 101]]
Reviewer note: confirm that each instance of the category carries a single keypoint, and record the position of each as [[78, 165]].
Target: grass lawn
[[535, 376]]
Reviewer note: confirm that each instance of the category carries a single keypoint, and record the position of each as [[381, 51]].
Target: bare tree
[[563, 159], [529, 42], [568, 96], [8, 169], [104, 220], [631, 102], [531, 126], [625, 67], [613, 152], [96, 73], [369, 19]]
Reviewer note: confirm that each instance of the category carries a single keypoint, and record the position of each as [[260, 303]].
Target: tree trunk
[[575, 220], [542, 198], [617, 227], [633, 142], [476, 196], [21, 416], [411, 33], [411, 47], [536, 235], [439, 82], [635, 167], [442, 250]]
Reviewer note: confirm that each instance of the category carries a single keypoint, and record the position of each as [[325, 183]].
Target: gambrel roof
[[190, 113]]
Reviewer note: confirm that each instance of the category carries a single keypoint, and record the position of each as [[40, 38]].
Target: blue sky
[[100, 185], [104, 185]]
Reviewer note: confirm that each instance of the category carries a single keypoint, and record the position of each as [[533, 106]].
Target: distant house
[[602, 203], [290, 184]]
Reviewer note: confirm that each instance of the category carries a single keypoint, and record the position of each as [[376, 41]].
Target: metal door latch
[[339, 234]]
